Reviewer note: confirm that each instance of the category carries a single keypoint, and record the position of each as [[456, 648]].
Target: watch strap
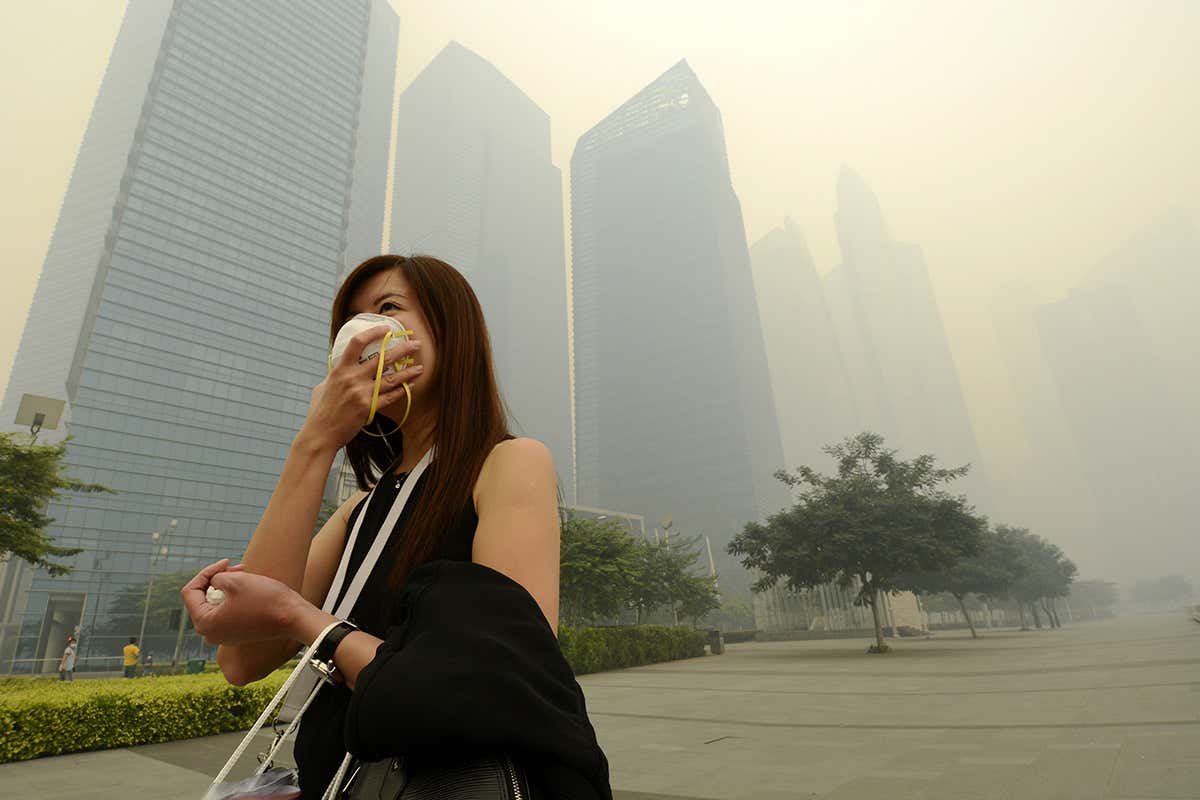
[[322, 659]]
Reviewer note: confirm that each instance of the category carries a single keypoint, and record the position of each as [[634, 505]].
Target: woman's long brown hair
[[471, 418]]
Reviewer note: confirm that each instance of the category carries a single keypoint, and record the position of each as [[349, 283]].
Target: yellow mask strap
[[379, 381]]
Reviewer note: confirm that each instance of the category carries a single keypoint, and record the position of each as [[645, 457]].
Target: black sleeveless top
[[320, 744]]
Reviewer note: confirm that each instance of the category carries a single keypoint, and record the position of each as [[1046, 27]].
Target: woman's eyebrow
[[385, 296]]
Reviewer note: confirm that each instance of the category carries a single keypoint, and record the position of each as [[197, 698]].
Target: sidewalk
[[1103, 711]]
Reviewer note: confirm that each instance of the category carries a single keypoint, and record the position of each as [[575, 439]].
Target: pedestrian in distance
[[66, 664], [131, 652]]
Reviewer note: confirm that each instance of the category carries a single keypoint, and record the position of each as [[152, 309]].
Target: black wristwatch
[[322, 660]]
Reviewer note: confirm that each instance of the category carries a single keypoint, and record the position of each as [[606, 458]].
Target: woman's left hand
[[256, 608]]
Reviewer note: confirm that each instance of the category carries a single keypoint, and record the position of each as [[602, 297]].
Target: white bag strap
[[364, 571], [295, 703], [266, 714]]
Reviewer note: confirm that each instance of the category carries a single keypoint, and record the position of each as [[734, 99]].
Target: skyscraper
[[808, 376], [1124, 353], [474, 185], [673, 402], [1046, 486], [901, 370], [182, 310]]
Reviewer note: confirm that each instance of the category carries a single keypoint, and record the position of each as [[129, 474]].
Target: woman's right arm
[[282, 546], [244, 663]]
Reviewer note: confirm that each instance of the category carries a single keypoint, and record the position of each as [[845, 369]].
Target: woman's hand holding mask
[[341, 403]]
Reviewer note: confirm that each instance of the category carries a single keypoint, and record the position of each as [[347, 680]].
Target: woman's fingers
[[193, 591], [358, 343], [398, 353], [404, 374], [204, 576]]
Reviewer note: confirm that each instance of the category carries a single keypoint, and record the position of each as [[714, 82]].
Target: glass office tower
[[230, 170], [673, 406]]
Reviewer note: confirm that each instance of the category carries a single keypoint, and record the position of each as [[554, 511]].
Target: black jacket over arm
[[472, 666]]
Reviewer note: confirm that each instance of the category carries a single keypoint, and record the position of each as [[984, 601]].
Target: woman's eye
[[389, 306]]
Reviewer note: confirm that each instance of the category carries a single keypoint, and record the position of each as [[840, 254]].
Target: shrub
[[43, 718], [734, 637], [46, 717], [598, 649]]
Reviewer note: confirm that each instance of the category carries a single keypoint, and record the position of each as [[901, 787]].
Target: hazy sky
[[1012, 141]]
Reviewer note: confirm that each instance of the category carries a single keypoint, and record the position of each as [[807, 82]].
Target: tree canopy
[[991, 572], [605, 570], [597, 569], [30, 477], [877, 519]]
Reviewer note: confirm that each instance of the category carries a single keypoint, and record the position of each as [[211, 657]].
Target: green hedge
[[48, 717], [736, 637], [599, 649]]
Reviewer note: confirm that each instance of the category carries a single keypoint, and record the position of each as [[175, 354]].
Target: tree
[[1163, 591], [1046, 574], [131, 603], [1095, 595], [30, 477], [991, 572], [697, 596], [876, 519], [597, 569], [652, 579]]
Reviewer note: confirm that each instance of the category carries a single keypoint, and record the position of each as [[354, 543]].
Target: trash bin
[[195, 666], [716, 642]]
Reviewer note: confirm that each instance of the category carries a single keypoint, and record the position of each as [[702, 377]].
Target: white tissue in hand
[[214, 596]]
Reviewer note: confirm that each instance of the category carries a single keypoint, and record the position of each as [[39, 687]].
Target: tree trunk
[[1050, 620], [1021, 611], [966, 615], [878, 625], [1037, 619], [891, 618]]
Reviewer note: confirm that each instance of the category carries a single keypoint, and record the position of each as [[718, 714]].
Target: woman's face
[[388, 293]]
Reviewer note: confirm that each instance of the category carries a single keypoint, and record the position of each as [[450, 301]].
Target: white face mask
[[356, 325]]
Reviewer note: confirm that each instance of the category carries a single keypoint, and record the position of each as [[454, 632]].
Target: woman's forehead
[[374, 289]]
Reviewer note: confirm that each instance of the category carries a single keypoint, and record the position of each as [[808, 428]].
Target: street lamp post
[[159, 552], [183, 615], [668, 522]]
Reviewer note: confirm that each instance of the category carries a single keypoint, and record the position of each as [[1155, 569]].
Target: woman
[[485, 510]]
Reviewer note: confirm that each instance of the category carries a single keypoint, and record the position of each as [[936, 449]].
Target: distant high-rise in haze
[[673, 406], [474, 185], [1045, 486], [229, 169], [898, 357], [808, 376], [1125, 355]]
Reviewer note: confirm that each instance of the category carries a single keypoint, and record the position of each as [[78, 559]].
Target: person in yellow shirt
[[131, 651]]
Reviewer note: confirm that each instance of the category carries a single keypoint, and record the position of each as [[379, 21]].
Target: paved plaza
[[1098, 710]]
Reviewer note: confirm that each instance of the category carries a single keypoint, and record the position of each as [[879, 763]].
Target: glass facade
[[479, 190], [673, 405], [902, 375], [206, 326]]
